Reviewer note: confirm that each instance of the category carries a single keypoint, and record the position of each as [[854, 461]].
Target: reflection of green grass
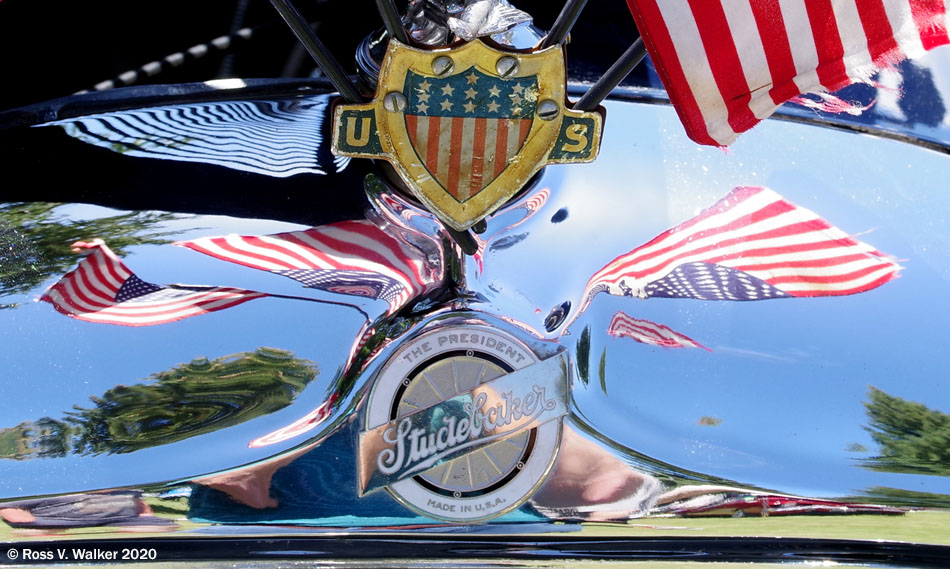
[[169, 508], [920, 527]]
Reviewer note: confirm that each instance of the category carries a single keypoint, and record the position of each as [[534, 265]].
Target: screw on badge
[[395, 102], [547, 110], [506, 66], [467, 128], [442, 65]]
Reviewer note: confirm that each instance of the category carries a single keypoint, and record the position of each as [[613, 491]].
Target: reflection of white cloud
[[744, 353], [889, 94]]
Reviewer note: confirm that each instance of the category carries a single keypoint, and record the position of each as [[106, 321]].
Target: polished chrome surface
[[793, 396]]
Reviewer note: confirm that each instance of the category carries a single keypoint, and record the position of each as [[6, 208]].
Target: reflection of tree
[[905, 498], [188, 400], [35, 240], [912, 437], [583, 356]]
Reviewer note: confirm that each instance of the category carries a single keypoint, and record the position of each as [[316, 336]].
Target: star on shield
[[467, 127]]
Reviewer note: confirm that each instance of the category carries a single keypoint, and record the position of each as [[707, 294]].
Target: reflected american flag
[[350, 257], [302, 425], [751, 245], [647, 332], [102, 289]]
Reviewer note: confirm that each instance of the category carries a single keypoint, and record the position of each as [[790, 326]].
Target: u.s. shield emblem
[[467, 127]]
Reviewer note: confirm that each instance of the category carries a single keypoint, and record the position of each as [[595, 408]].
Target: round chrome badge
[[463, 423]]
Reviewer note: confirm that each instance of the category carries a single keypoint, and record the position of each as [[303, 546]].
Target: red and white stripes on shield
[[727, 64], [464, 154]]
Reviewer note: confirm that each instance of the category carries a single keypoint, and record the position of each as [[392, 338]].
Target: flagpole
[[319, 52], [392, 21], [565, 21], [289, 297], [617, 73]]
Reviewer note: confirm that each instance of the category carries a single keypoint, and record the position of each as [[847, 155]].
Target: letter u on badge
[[366, 124]]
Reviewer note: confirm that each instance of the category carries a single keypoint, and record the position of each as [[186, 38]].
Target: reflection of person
[[117, 508], [318, 486], [312, 486], [588, 482]]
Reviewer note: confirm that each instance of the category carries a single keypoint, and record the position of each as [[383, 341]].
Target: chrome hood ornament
[[463, 422], [431, 22], [467, 127]]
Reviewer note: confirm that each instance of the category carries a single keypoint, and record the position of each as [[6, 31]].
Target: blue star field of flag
[[359, 283], [706, 281], [471, 93], [134, 289]]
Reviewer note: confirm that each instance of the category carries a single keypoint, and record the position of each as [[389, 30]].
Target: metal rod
[[307, 298], [392, 21], [463, 239], [319, 52], [617, 73], [565, 21]]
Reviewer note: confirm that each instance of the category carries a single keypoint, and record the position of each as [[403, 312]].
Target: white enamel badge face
[[463, 423]]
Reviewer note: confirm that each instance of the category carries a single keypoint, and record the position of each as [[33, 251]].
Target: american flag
[[102, 289], [466, 127], [751, 245], [647, 332], [727, 64], [349, 257]]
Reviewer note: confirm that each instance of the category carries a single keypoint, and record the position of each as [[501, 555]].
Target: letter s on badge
[[577, 133], [578, 141]]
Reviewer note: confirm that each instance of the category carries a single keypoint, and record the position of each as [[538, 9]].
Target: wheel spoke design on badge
[[482, 470], [463, 422]]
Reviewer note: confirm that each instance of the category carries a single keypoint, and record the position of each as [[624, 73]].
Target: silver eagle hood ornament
[[438, 22]]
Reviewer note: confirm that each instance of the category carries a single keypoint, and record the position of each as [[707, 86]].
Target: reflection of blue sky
[[787, 377], [52, 362], [905, 99]]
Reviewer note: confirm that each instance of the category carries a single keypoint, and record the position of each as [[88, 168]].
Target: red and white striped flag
[[302, 425], [751, 245], [727, 64], [102, 289], [647, 332], [349, 257]]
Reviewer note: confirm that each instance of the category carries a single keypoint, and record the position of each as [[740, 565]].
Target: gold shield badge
[[467, 127]]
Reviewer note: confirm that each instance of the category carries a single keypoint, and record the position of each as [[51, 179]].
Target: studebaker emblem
[[463, 423], [467, 127]]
